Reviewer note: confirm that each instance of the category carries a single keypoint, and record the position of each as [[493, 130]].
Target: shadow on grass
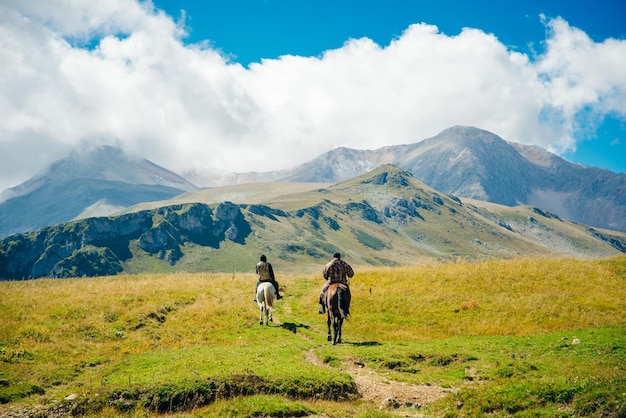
[[363, 343], [293, 327]]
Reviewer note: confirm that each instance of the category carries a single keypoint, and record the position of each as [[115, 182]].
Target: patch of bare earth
[[404, 398]]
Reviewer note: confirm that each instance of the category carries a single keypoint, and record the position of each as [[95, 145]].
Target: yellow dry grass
[[492, 298]]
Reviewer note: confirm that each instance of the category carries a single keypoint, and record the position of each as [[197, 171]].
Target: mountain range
[[466, 162], [476, 164], [385, 217]]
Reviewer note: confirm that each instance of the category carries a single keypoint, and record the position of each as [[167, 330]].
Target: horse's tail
[[269, 298], [342, 303]]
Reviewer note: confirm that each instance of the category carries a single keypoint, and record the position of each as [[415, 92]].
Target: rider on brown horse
[[336, 271]]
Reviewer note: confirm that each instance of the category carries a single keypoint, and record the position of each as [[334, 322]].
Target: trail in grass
[[379, 389], [383, 391]]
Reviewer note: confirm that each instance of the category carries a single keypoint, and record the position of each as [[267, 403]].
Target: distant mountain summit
[[473, 163], [105, 163], [94, 182]]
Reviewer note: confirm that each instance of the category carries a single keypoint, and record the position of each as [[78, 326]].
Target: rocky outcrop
[[402, 209], [266, 211], [367, 212], [99, 246]]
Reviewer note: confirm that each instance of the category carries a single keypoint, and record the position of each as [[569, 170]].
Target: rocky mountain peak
[[100, 180], [110, 163], [390, 175], [466, 139], [105, 163]]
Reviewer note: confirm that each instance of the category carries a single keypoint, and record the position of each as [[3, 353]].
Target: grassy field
[[535, 337]]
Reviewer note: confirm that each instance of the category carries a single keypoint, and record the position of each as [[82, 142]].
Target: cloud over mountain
[[120, 73], [89, 182]]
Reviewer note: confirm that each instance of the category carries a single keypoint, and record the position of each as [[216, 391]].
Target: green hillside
[[387, 218]]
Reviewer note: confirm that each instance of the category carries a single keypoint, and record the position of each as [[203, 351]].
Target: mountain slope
[[483, 166], [439, 226], [473, 163], [384, 217], [98, 181]]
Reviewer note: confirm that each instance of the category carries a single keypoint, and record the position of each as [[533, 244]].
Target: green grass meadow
[[524, 338]]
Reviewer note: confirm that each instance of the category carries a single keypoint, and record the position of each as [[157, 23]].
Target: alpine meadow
[[524, 337]]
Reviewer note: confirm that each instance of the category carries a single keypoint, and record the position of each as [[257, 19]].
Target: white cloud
[[187, 106], [582, 76]]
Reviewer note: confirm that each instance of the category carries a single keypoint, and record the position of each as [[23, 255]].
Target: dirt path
[[382, 391], [387, 393]]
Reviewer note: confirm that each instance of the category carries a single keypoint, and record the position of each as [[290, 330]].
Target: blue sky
[[257, 29], [252, 85]]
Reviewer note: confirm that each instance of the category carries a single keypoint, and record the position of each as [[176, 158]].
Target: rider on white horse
[[265, 273]]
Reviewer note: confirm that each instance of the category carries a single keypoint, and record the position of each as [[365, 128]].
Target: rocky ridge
[[98, 246]]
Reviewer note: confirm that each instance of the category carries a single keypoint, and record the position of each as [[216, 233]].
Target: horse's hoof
[[260, 322], [330, 338]]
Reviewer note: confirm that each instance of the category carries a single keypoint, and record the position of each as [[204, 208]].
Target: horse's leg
[[264, 314], [339, 325], [260, 314], [329, 316], [269, 297]]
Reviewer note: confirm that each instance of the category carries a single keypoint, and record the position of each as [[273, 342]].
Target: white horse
[[265, 295]]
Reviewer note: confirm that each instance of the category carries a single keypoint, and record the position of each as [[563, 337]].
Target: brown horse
[[337, 309]]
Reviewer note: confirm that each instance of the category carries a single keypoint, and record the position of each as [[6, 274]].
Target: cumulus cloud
[[118, 72], [582, 77]]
